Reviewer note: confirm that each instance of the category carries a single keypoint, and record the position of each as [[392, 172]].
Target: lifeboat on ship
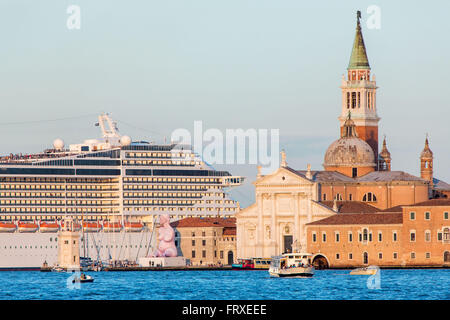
[[7, 226], [112, 226], [46, 226], [92, 226], [134, 226], [27, 226]]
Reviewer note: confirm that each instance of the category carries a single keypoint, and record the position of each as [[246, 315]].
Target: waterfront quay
[[138, 268]]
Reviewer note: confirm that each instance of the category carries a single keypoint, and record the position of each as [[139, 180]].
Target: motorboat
[[243, 264], [261, 263], [83, 278], [294, 265], [365, 271]]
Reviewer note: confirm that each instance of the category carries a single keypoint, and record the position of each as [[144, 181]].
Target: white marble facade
[[285, 202]]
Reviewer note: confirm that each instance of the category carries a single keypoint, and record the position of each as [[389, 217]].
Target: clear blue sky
[[160, 65]]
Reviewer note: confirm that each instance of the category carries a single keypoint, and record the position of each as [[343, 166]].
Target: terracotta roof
[[394, 209], [324, 176], [361, 218], [375, 176], [228, 231], [388, 176], [204, 222], [431, 203], [352, 207]]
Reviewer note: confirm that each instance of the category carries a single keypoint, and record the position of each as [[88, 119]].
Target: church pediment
[[283, 177]]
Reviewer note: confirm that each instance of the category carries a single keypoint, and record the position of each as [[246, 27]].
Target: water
[[227, 285]]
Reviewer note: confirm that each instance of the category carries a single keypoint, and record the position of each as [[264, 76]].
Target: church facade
[[354, 172]]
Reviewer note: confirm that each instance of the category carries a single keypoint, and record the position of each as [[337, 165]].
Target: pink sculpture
[[166, 238]]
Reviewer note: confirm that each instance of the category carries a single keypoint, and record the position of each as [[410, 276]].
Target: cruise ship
[[115, 189]]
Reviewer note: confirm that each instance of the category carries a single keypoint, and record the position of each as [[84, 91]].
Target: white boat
[[83, 278], [294, 265], [365, 271]]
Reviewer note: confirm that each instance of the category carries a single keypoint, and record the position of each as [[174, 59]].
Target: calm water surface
[[211, 285]]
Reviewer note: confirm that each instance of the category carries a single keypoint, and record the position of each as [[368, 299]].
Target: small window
[[380, 237], [324, 197], [412, 236], [324, 237], [427, 255], [314, 237], [413, 255], [395, 255], [350, 256], [193, 243], [350, 197], [193, 253], [394, 236], [427, 236], [337, 237], [354, 172], [350, 237], [204, 254], [380, 255], [338, 197], [427, 215], [337, 256], [412, 216], [445, 215]]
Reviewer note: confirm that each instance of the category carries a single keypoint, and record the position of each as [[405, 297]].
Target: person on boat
[[82, 276]]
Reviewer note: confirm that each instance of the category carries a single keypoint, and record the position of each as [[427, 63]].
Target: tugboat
[[294, 265]]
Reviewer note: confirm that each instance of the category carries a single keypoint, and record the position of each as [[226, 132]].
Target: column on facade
[[260, 227], [296, 239], [273, 227]]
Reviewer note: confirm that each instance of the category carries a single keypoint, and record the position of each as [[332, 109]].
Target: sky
[[156, 66]]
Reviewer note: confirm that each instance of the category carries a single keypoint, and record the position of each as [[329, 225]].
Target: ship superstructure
[[110, 185]]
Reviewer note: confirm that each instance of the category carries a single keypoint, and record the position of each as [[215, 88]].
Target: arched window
[[348, 100], [369, 197], [365, 234], [446, 256], [447, 235]]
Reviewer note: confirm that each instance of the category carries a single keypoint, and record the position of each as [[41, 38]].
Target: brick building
[[410, 235], [206, 241]]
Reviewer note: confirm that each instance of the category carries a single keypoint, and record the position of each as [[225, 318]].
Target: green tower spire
[[358, 59]]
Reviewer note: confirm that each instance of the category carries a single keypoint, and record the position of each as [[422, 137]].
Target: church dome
[[349, 150]]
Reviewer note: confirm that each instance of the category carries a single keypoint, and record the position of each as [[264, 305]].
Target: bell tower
[[359, 93], [426, 163]]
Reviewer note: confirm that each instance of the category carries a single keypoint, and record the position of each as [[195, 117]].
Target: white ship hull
[[26, 251]]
